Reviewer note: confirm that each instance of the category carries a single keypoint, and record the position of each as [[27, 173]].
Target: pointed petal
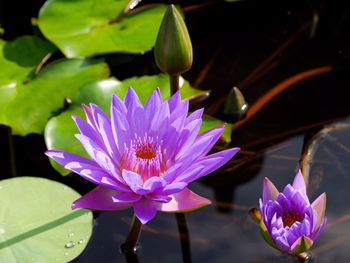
[[319, 205], [270, 191], [174, 101], [100, 198], [173, 188], [88, 114], [184, 201], [299, 182], [195, 115], [302, 244], [123, 197], [209, 163], [104, 128], [145, 210], [133, 180], [118, 104], [87, 130], [154, 183], [201, 146], [131, 99]]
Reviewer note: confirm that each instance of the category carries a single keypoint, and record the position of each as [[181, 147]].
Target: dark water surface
[[256, 46]]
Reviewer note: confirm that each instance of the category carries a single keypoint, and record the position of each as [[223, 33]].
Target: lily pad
[[18, 60], [84, 28], [37, 223], [41, 97]]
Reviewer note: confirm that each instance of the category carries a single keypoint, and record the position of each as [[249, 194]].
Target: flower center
[[144, 156], [146, 151], [290, 218]]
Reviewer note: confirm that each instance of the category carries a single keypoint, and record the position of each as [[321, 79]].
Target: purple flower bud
[[289, 222]]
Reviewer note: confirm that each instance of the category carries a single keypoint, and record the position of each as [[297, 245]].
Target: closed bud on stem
[[173, 48], [235, 104]]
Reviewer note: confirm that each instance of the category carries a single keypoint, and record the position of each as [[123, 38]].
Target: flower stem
[[132, 240], [174, 83], [184, 237]]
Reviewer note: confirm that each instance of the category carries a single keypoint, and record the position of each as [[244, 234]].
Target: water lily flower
[[289, 222], [143, 156]]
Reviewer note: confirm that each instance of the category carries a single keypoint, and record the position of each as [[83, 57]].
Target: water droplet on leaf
[[70, 244]]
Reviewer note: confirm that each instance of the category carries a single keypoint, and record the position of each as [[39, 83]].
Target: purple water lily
[[143, 156], [289, 222]]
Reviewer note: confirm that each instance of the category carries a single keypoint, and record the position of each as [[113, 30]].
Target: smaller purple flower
[[288, 221]]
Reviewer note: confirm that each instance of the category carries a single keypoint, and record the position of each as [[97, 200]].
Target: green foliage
[[43, 95], [84, 28], [18, 61], [37, 223]]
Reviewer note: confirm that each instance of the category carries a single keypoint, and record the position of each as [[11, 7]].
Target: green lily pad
[[210, 123], [18, 60], [41, 97], [83, 28], [37, 223]]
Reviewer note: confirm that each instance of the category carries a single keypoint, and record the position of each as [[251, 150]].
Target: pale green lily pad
[[18, 60], [83, 28], [41, 97], [37, 224], [210, 123], [60, 130]]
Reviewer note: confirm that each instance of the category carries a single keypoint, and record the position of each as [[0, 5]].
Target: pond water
[[256, 46]]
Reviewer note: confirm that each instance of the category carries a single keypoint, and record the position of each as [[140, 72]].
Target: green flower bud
[[173, 49], [235, 104]]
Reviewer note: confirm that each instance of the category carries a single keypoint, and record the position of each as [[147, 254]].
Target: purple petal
[[123, 197], [120, 129], [98, 154], [202, 145], [183, 201], [100, 198], [319, 205], [118, 104], [104, 128], [174, 101], [173, 188], [158, 198], [145, 210], [299, 182], [133, 180], [87, 130], [210, 163], [270, 192], [154, 183], [131, 99], [195, 115], [89, 117]]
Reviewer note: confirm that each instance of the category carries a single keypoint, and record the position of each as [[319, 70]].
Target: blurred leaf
[[18, 60], [41, 97], [37, 223], [84, 28]]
